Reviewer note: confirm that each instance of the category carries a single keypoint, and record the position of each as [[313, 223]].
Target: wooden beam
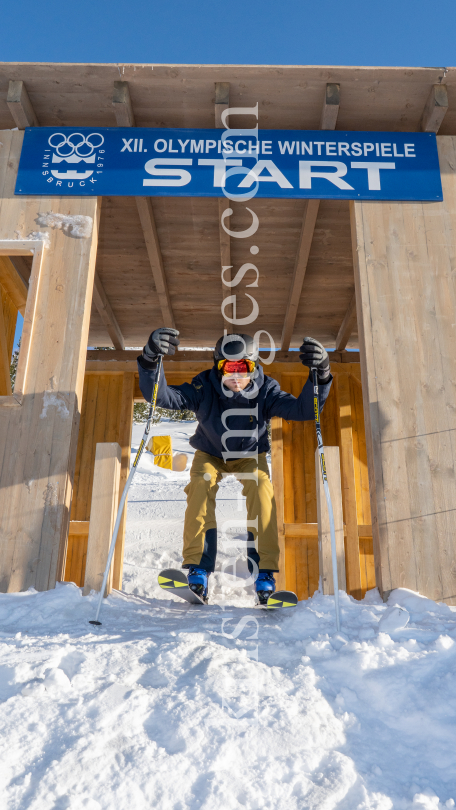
[[222, 102], [22, 268], [328, 121], [120, 362], [345, 425], [330, 107], [302, 257], [146, 215], [348, 324], [5, 359], [20, 106], [121, 102], [125, 118], [107, 315], [13, 284], [125, 430], [105, 496], [79, 527], [301, 529], [332, 460], [435, 109]]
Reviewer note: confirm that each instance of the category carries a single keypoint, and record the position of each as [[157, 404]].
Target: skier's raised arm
[[300, 409], [163, 341]]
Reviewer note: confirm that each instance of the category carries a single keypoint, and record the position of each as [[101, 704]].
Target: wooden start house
[[373, 279]]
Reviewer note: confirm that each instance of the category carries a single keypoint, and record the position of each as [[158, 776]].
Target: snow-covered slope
[[175, 707]]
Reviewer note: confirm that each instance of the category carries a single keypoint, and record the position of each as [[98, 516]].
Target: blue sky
[[312, 32]]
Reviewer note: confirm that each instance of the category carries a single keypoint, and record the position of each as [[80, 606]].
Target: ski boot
[[264, 586], [197, 581]]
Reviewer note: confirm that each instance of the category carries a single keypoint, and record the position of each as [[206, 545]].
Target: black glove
[[314, 355], [162, 341]]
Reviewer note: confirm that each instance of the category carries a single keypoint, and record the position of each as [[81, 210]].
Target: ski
[[176, 581], [280, 599]]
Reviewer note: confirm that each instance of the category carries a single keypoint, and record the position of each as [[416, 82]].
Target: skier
[[233, 403]]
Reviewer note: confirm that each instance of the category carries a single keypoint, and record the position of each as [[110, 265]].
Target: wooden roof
[[289, 97]]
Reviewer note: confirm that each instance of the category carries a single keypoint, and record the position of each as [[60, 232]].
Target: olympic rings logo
[[76, 143]]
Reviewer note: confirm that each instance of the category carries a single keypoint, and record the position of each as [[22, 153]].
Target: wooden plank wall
[[406, 300], [106, 416]]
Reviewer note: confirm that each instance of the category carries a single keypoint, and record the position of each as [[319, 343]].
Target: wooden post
[[105, 497], [277, 481], [406, 304], [38, 432], [125, 430], [353, 569], [324, 537]]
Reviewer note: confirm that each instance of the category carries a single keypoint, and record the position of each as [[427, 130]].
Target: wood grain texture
[[189, 237], [107, 416], [332, 459], [329, 115], [123, 110], [106, 314], [435, 109], [302, 256], [36, 476], [331, 106], [347, 325], [406, 300], [105, 498], [146, 216], [289, 96], [20, 105], [13, 283], [5, 355], [122, 105], [352, 561], [125, 431], [301, 529]]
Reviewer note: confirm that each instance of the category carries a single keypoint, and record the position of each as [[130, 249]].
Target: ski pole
[[126, 488], [321, 453]]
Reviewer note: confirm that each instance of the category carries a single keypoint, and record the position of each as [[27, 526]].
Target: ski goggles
[[241, 368]]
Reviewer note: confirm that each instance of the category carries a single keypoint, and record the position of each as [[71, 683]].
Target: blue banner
[[238, 164]]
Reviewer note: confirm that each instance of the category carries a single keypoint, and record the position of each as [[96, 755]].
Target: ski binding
[[176, 582], [280, 599]]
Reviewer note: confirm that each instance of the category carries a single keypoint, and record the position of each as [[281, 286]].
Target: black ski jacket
[[242, 432]]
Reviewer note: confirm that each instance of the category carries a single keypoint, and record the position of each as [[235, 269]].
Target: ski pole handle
[[126, 488]]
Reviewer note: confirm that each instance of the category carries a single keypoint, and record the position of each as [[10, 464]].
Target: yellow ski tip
[[163, 579]]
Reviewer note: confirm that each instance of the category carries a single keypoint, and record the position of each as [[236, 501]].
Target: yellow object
[[162, 448]]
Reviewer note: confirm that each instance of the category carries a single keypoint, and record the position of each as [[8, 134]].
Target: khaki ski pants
[[205, 475]]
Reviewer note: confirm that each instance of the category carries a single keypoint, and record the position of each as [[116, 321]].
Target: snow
[[78, 226], [173, 706]]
